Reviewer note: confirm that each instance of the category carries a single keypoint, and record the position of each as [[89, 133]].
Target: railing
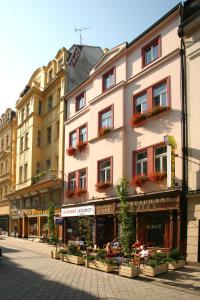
[[45, 176]]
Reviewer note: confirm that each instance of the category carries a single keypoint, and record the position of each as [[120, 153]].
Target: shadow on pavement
[[17, 282]]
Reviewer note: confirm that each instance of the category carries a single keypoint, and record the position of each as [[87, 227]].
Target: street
[[28, 272]]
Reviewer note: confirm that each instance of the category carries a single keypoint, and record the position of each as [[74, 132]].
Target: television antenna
[[80, 32]]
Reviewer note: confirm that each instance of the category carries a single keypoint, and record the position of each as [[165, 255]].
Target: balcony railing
[[45, 176]]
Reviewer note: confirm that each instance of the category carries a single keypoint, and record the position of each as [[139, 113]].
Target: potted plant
[[157, 110], [62, 252], [100, 186], [138, 119], [69, 194], [100, 262], [104, 130], [128, 269], [155, 264], [157, 176], [80, 191], [175, 259], [71, 151], [74, 255], [81, 146], [139, 180]]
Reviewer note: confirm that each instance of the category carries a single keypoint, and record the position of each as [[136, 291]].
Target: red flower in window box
[[71, 151], [139, 180], [157, 110], [104, 130], [81, 145], [80, 191], [138, 119], [157, 176], [100, 186], [69, 194]]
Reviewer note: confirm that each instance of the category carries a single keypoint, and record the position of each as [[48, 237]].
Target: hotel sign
[[152, 204], [88, 210]]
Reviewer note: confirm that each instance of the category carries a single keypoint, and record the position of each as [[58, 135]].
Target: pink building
[[125, 120]]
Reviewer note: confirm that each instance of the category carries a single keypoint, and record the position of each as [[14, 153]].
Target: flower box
[[79, 192], [174, 265], [98, 265], [55, 254], [81, 146], [104, 130], [71, 151], [157, 176], [139, 180], [100, 186], [69, 194], [78, 260], [154, 271], [128, 271]]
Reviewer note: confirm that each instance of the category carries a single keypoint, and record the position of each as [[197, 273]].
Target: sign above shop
[[88, 210], [105, 209]]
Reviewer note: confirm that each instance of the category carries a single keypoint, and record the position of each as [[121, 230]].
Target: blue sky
[[32, 31]]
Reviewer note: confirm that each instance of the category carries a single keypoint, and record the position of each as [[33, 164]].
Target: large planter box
[[127, 271], [176, 265], [78, 260], [55, 254], [98, 265], [150, 271]]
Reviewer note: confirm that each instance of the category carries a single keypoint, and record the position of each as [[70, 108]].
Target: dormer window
[[50, 74], [80, 101], [109, 79], [151, 51]]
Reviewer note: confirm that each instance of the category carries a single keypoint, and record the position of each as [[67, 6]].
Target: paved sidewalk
[[28, 272]]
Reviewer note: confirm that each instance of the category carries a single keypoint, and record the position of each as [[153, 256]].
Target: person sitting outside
[[137, 245], [144, 253], [115, 243], [80, 243], [109, 252]]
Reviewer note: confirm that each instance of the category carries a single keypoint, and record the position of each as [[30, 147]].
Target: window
[[26, 140], [49, 103], [38, 168], [104, 170], [48, 164], [50, 74], [25, 172], [151, 52], [2, 168], [6, 166], [20, 174], [83, 134], [22, 114], [73, 139], [80, 101], [39, 107], [2, 144], [72, 181], [57, 162], [1, 192], [155, 96], [141, 103], [141, 163], [57, 129], [39, 138], [27, 109], [105, 118], [7, 140], [49, 135], [58, 93], [6, 190], [21, 144], [60, 62], [108, 79], [160, 95], [82, 179], [160, 159]]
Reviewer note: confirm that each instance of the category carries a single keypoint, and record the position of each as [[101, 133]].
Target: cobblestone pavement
[[28, 272]]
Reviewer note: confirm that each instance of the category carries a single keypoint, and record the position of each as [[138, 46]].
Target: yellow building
[[39, 159], [7, 163]]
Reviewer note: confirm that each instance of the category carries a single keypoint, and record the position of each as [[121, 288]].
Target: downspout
[[184, 121]]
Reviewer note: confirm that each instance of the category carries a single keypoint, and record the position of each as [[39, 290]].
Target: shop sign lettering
[[158, 226], [78, 211], [30, 212], [105, 209]]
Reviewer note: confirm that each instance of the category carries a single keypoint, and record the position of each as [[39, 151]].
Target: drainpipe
[[184, 121]]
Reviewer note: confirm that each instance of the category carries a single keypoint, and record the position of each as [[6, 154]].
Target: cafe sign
[[88, 210], [105, 209]]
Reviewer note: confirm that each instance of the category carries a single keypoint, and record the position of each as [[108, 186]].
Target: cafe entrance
[[105, 230]]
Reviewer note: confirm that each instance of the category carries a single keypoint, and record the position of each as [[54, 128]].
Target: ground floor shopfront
[[4, 218], [193, 227], [157, 220]]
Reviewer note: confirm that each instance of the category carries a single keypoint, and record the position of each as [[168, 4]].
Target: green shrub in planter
[[73, 250], [156, 260], [174, 255], [91, 257], [101, 254]]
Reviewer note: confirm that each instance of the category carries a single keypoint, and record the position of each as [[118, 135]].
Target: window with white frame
[[83, 134], [141, 163], [72, 181], [82, 179], [73, 139], [160, 95], [49, 103], [104, 170], [160, 159], [108, 79], [80, 101], [141, 103], [105, 118]]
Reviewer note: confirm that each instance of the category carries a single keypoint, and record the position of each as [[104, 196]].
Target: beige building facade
[[7, 163], [119, 123], [39, 163]]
